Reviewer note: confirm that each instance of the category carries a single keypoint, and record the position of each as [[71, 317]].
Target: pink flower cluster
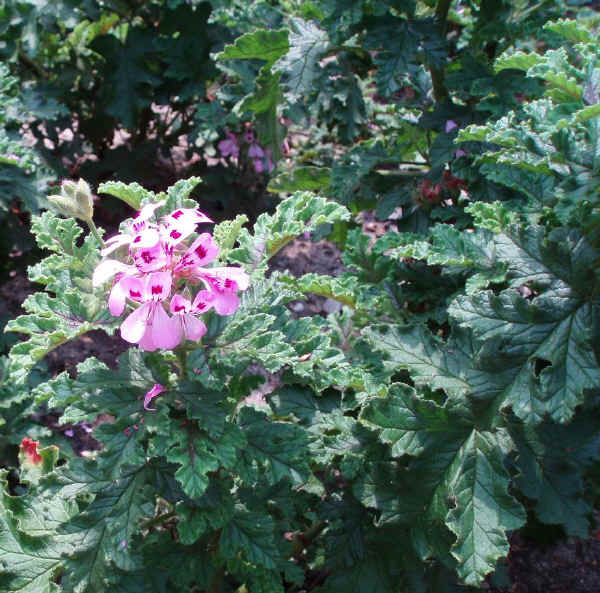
[[162, 265], [260, 157]]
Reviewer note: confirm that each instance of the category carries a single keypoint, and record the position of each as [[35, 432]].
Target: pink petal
[[186, 216], [259, 166], [226, 302], [147, 212], [151, 259], [204, 301], [238, 275], [157, 286], [113, 243], [116, 299], [146, 342], [180, 305], [255, 151], [134, 327], [229, 147], [156, 390], [146, 238], [133, 288], [450, 125], [202, 251], [174, 234], [166, 331], [107, 269], [194, 328]]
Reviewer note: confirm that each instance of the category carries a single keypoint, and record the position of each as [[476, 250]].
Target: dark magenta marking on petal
[[177, 214], [174, 234], [157, 289], [200, 251], [134, 294]]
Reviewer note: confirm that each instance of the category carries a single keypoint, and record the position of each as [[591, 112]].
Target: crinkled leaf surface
[[546, 342], [458, 477]]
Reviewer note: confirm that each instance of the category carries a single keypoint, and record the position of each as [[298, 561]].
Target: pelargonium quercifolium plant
[[409, 432]]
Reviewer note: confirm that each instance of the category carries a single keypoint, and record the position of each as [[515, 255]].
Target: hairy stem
[[94, 229]]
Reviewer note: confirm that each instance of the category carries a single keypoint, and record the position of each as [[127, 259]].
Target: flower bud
[[74, 200]]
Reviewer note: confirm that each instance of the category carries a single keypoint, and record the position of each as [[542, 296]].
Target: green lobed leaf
[[552, 460], [76, 307], [410, 424], [305, 178], [29, 564], [552, 329], [128, 80], [302, 212], [482, 509], [458, 478], [251, 535], [131, 193], [205, 514], [569, 29], [300, 65], [197, 453], [226, 233], [274, 450], [98, 389], [257, 45]]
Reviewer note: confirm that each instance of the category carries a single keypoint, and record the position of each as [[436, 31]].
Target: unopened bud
[[74, 200]]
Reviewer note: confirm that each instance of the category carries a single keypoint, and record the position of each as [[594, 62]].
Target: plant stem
[[95, 231], [437, 74], [216, 581], [158, 520], [181, 354]]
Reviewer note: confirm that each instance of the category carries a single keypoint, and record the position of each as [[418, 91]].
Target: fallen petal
[[156, 390]]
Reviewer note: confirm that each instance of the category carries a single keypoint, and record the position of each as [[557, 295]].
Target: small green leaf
[[302, 178], [252, 535], [257, 45], [131, 193]]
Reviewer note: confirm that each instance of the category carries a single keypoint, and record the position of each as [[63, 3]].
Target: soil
[[569, 565]]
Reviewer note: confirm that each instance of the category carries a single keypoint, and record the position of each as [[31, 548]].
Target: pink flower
[[151, 259], [149, 325], [156, 390], [223, 283], [108, 268], [229, 146], [201, 252], [255, 151], [450, 125], [261, 157], [185, 217], [141, 233], [179, 224], [249, 136], [184, 312]]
